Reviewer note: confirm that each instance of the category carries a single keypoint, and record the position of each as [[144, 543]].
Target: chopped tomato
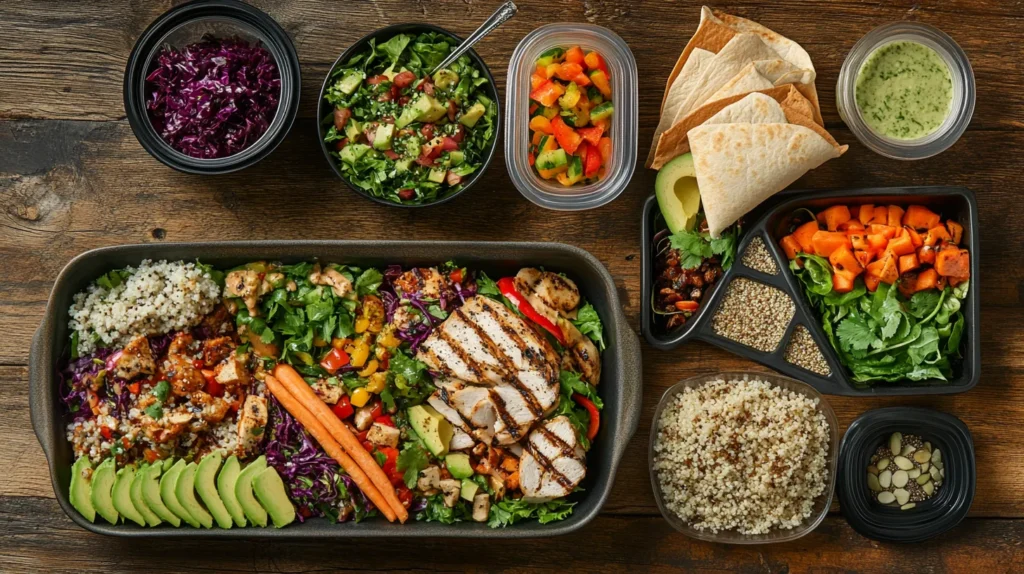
[[368, 446], [340, 145], [214, 387], [591, 134], [335, 360], [405, 496], [151, 455], [391, 457], [567, 138], [343, 408], [428, 131], [547, 93], [568, 71], [449, 144], [403, 79], [460, 132], [536, 80], [362, 435], [374, 80], [574, 55], [427, 87], [456, 276], [582, 80], [107, 432], [341, 116], [605, 147], [385, 420], [453, 110], [391, 154], [135, 387], [406, 194], [199, 364]]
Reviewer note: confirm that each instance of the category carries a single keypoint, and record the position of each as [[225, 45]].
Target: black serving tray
[[951, 202]]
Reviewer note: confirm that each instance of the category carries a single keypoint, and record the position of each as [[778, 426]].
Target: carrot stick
[[290, 378], [330, 446]]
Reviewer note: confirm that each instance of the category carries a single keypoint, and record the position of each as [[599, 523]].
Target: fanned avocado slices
[[151, 494], [81, 488], [226, 481], [186, 493], [269, 489], [139, 501], [122, 496], [168, 484], [206, 475], [102, 488], [254, 511]]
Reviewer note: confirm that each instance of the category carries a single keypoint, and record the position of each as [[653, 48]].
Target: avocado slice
[[226, 481], [351, 153], [471, 116], [677, 192], [207, 489], [139, 501], [403, 165], [350, 81], [458, 464], [456, 157], [168, 484], [353, 129], [122, 496], [151, 494], [382, 138], [469, 489], [81, 485], [269, 489], [434, 112], [102, 489], [243, 492], [185, 491], [437, 174], [168, 463], [432, 428]]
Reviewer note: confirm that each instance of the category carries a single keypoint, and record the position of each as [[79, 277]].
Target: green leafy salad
[[403, 134]]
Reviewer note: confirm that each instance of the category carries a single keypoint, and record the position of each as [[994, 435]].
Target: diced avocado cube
[[471, 116], [437, 175], [409, 115], [403, 165], [602, 111], [432, 109], [351, 153], [382, 139], [433, 429], [551, 159], [445, 79], [352, 129], [350, 81], [390, 73], [412, 147], [469, 489], [456, 157], [550, 56], [459, 465]]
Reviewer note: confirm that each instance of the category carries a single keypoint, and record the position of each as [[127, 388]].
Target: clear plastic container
[[961, 108], [821, 505], [623, 131]]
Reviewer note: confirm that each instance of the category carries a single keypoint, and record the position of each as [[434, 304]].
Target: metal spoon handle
[[503, 13]]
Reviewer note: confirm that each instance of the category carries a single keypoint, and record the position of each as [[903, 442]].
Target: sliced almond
[[902, 496], [873, 483], [928, 488], [873, 470], [924, 478], [913, 474], [908, 506], [922, 456], [900, 478], [883, 464], [885, 479], [924, 467], [896, 443], [886, 497], [903, 463], [936, 456], [907, 449]]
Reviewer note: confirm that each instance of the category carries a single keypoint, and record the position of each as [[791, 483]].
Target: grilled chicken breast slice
[[581, 354], [549, 293], [553, 462]]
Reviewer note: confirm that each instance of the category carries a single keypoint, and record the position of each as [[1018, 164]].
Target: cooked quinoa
[[156, 298], [754, 314], [741, 455], [758, 258]]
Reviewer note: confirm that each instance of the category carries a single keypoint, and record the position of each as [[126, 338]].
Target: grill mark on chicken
[[509, 371], [566, 448], [436, 362], [471, 364], [530, 282], [549, 467], [511, 426], [529, 353]]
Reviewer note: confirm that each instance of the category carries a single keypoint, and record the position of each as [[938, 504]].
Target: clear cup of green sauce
[[906, 90]]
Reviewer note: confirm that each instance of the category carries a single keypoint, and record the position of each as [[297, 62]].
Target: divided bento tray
[[955, 203]]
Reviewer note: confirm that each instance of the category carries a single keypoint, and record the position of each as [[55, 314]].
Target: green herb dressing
[[904, 90]]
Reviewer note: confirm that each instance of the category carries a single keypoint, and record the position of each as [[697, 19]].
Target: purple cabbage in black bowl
[[212, 86]]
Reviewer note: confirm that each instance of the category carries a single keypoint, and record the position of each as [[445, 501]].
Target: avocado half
[[678, 194]]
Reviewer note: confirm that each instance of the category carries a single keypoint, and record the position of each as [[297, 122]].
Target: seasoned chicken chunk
[[427, 281], [185, 378], [214, 408], [581, 354], [136, 359], [216, 350], [327, 392], [245, 284], [549, 293], [383, 435], [332, 278], [232, 372], [553, 462], [252, 423]]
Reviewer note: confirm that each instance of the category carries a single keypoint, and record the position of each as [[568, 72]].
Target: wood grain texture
[[73, 177]]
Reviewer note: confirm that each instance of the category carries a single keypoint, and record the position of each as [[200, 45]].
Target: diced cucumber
[[550, 56], [551, 159], [602, 111], [437, 175]]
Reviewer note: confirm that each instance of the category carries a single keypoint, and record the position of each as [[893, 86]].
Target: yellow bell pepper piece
[[377, 382], [370, 369], [360, 397]]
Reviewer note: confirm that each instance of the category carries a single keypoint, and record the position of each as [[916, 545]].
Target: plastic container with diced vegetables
[[571, 116]]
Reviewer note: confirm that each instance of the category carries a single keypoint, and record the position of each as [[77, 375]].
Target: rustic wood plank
[[70, 65], [609, 544]]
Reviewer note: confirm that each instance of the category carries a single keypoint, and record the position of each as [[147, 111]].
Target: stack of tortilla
[[741, 99]]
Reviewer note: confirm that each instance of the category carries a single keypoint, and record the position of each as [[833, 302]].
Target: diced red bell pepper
[[582, 80], [376, 410], [595, 415], [574, 55], [405, 496], [343, 408], [107, 432], [391, 457], [385, 420], [507, 287], [567, 138], [135, 387], [547, 93], [531, 159], [214, 388], [428, 131], [403, 79], [568, 71], [592, 161], [335, 360], [368, 446], [361, 436], [591, 134]]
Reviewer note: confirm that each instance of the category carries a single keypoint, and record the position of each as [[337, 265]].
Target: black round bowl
[[185, 24], [324, 109], [929, 518]]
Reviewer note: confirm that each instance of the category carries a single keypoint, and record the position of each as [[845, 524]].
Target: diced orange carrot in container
[[895, 217], [842, 283], [953, 262], [920, 217], [866, 213], [836, 215], [936, 236], [908, 263], [825, 242], [915, 237], [804, 235], [900, 246], [926, 255], [956, 231], [842, 259], [881, 216], [790, 245]]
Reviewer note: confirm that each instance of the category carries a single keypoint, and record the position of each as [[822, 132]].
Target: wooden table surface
[[73, 177]]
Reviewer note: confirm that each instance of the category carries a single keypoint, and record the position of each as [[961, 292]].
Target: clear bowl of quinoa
[[743, 457]]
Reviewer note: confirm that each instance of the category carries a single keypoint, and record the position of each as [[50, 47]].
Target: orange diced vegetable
[[843, 260], [594, 61], [536, 80], [605, 147], [908, 263], [531, 159], [582, 80], [547, 93], [926, 255], [863, 257], [568, 71], [881, 216], [882, 229], [920, 217], [927, 279], [842, 282], [600, 80], [895, 217], [915, 237], [804, 235], [871, 282], [884, 269], [878, 242], [790, 246], [825, 242], [603, 123], [550, 70], [574, 55], [956, 231], [591, 134], [954, 281], [952, 261], [541, 124], [860, 242], [566, 136], [866, 213], [936, 236], [900, 246], [851, 225], [834, 216], [537, 136], [551, 173]]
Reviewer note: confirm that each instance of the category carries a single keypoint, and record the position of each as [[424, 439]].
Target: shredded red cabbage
[[74, 377], [214, 98], [314, 480]]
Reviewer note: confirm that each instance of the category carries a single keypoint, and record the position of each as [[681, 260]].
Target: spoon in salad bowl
[[499, 17]]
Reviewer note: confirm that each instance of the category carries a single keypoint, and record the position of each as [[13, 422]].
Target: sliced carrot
[[834, 216], [866, 213], [825, 242], [791, 246], [843, 260], [953, 262], [920, 217], [895, 215], [956, 231], [908, 263], [804, 235]]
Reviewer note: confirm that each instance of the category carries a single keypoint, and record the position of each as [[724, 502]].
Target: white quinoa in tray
[[754, 314], [757, 257], [156, 298], [741, 455]]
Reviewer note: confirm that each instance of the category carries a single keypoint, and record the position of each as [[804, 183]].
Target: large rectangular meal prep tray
[[951, 202], [620, 386]]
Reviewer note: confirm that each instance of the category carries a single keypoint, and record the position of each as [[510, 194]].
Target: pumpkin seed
[[903, 463], [883, 464], [908, 506], [924, 478], [886, 497], [900, 478], [938, 464], [896, 443], [885, 479], [928, 488], [922, 456], [934, 471], [942, 472], [873, 483], [927, 446], [902, 496]]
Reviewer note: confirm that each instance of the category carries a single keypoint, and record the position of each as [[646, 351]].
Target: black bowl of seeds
[[906, 474]]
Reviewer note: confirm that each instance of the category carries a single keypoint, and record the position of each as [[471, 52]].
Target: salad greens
[[883, 336], [696, 246], [403, 135]]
